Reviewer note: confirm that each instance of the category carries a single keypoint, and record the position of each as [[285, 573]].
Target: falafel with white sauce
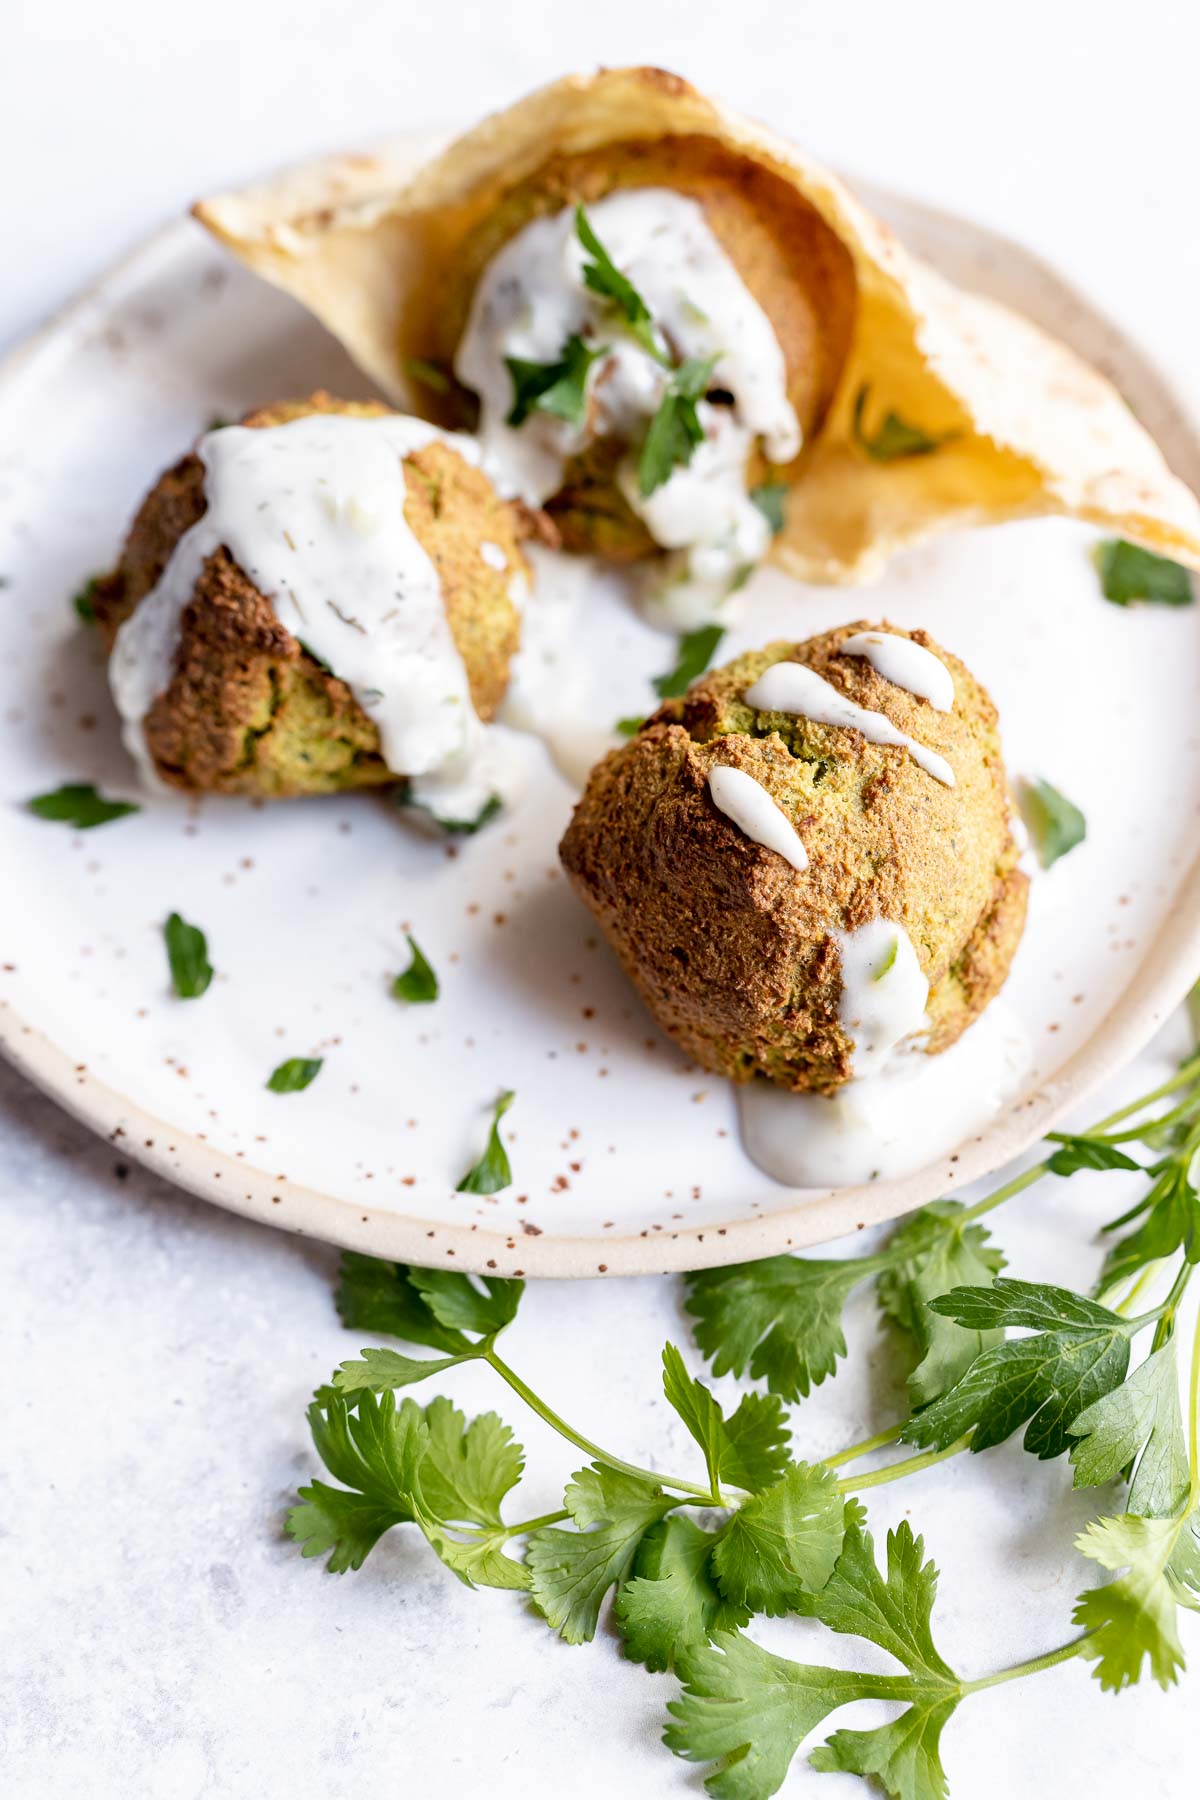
[[807, 860], [325, 596]]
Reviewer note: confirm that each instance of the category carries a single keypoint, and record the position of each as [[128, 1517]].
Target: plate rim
[[1152, 992]]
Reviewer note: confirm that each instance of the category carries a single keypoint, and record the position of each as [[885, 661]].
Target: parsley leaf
[[696, 651], [436, 1307], [1129, 574], [453, 827], [459, 1305], [895, 438], [672, 1602], [630, 727], [675, 429], [1171, 1218], [780, 1318], [78, 804], [769, 497], [187, 954], [931, 1253], [492, 1172], [1080, 1353], [84, 600], [750, 1710], [1055, 823], [418, 984], [294, 1075], [1075, 1153], [1138, 1423], [468, 1469], [571, 1571], [782, 1543], [748, 1450], [1134, 1618], [602, 277], [559, 388]]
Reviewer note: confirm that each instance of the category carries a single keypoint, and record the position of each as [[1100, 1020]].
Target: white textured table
[[160, 1639]]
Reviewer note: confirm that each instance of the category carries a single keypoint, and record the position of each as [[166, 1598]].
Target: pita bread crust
[[363, 240]]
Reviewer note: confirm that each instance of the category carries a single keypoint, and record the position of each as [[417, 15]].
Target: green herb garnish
[[492, 1172], [84, 600], [769, 497], [418, 984], [895, 438], [559, 388], [295, 1074], [887, 961], [675, 429], [696, 651], [187, 953], [454, 827], [603, 277], [1129, 574], [79, 804], [429, 374], [1055, 823], [631, 726]]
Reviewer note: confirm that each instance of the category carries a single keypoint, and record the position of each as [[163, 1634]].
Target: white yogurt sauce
[[883, 991], [915, 1110], [313, 514], [905, 665], [753, 811], [791, 687], [531, 298]]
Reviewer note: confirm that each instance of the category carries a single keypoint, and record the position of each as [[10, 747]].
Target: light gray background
[[158, 1637]]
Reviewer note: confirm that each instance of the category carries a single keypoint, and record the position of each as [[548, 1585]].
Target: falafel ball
[[732, 948], [249, 709], [791, 262]]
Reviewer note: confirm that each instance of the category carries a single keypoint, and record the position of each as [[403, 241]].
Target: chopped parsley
[[187, 954], [558, 388], [675, 430], [78, 804], [84, 600], [1129, 574], [629, 727], [895, 438], [603, 277], [418, 984], [696, 650], [492, 1172], [1055, 823], [297, 1073]]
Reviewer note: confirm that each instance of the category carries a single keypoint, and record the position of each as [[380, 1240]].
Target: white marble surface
[[159, 1637]]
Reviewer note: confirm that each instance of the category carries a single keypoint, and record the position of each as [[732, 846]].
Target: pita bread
[[1024, 427]]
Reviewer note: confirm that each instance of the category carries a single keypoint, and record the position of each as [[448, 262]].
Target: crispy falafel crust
[[249, 710], [729, 947], [792, 263]]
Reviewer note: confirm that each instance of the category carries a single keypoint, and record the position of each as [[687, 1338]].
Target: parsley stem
[[704, 1494], [1033, 1667], [1166, 1309], [526, 1525], [1194, 1416], [852, 1452], [1140, 1284], [1007, 1192], [853, 1484]]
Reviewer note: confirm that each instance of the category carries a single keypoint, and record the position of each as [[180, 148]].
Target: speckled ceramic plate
[[626, 1159]]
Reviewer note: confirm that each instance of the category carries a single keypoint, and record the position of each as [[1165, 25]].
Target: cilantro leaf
[[750, 1710], [418, 984], [493, 1171], [436, 1307], [558, 388], [780, 1318], [671, 1601], [630, 727], [1055, 823], [894, 439], [468, 1469], [78, 804], [1170, 1211], [294, 1075], [187, 954], [84, 600], [675, 429], [379, 1369], [1133, 1619], [1080, 1353], [458, 1304], [1129, 574], [931, 1253], [769, 497], [1138, 1423], [602, 277], [696, 651], [379, 1296], [571, 1571], [452, 827], [1075, 1153], [782, 1543], [749, 1450]]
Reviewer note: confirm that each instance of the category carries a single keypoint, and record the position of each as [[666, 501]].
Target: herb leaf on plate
[[187, 954], [1129, 574], [696, 651], [77, 803], [294, 1075], [417, 984], [894, 438], [493, 1171], [558, 388], [1055, 823], [84, 600]]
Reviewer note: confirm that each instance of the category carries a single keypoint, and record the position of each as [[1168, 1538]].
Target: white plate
[[626, 1159]]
